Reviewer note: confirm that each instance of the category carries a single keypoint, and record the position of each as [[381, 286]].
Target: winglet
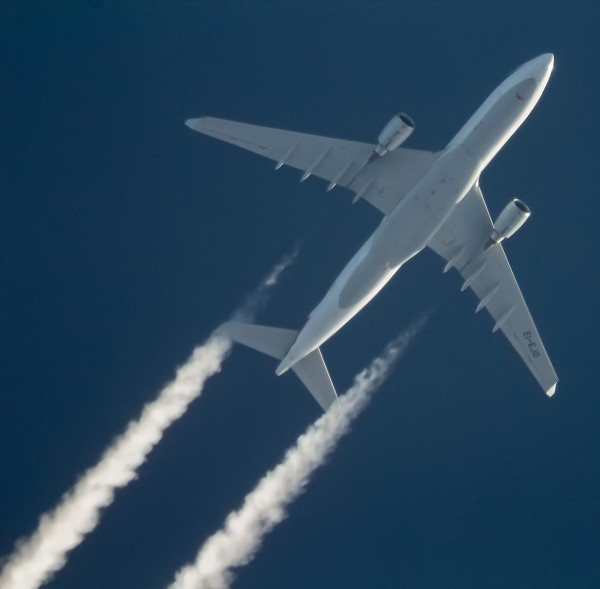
[[552, 389]]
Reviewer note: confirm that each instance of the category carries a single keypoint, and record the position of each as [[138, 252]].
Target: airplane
[[428, 199]]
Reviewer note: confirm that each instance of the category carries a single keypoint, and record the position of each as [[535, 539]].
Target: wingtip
[[552, 389], [194, 124]]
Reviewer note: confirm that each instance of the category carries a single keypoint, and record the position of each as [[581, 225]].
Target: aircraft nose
[[543, 65], [550, 58]]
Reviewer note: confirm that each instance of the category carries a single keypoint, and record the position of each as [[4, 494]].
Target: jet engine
[[515, 213], [395, 133]]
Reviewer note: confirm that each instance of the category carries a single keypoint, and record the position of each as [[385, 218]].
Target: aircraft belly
[[410, 226], [367, 280], [401, 235], [329, 316]]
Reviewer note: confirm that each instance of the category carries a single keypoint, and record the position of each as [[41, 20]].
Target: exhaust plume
[[38, 557], [238, 541]]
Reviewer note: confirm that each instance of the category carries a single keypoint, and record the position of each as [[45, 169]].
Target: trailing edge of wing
[[382, 183]]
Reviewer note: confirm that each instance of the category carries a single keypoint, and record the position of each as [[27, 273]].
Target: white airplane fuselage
[[407, 229]]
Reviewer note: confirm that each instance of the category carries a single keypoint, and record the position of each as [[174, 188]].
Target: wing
[[460, 241], [383, 182]]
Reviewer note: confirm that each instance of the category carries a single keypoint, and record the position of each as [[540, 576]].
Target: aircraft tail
[[276, 342]]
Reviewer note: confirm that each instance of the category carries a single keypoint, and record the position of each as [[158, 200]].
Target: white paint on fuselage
[[407, 229], [489, 128]]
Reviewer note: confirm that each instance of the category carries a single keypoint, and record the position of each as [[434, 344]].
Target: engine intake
[[395, 133], [515, 213]]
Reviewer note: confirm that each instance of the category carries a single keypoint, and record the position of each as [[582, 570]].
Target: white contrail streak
[[264, 507], [38, 557], [257, 300]]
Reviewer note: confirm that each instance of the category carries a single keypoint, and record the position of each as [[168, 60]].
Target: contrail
[[257, 300], [38, 557], [240, 538]]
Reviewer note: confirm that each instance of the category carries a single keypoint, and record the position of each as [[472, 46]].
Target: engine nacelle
[[515, 213], [395, 133]]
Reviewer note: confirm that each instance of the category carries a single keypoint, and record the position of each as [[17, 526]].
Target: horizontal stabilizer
[[313, 373], [276, 342], [273, 341]]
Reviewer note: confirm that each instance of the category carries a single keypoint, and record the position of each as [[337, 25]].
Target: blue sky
[[126, 239]]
